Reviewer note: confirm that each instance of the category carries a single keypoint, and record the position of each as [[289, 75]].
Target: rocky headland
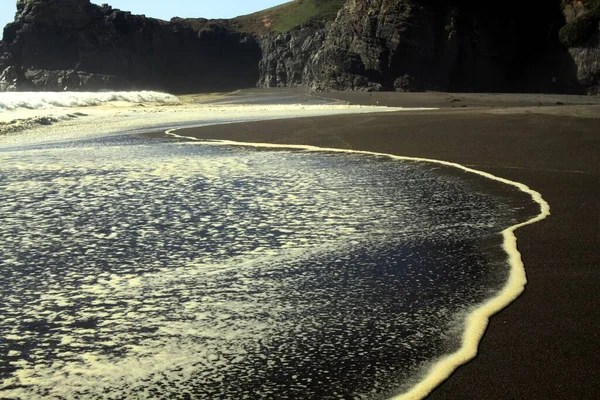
[[550, 46], [76, 45]]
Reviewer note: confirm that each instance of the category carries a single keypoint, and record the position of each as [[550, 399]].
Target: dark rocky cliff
[[404, 45], [452, 45], [581, 35], [285, 55], [75, 45]]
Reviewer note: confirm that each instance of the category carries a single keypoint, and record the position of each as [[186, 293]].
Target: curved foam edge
[[477, 321]]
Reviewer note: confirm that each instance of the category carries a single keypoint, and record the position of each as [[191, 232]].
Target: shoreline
[[556, 155], [477, 321], [544, 345]]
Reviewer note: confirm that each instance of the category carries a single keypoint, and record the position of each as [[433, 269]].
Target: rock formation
[[403, 45], [285, 55], [75, 45], [454, 45], [582, 36]]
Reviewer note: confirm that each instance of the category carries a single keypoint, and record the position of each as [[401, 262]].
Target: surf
[[12, 101], [478, 318], [475, 322]]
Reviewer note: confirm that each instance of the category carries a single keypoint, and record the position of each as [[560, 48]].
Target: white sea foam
[[43, 100], [36, 126], [477, 321]]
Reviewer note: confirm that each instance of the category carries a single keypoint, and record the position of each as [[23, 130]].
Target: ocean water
[[160, 268]]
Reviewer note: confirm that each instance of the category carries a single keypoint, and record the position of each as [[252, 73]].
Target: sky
[[168, 9]]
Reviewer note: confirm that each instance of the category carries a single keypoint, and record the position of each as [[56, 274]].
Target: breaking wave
[[43, 100]]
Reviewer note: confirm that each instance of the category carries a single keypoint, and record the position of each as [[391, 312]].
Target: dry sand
[[544, 345]]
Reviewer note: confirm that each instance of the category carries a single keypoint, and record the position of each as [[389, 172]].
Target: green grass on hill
[[287, 16], [280, 18]]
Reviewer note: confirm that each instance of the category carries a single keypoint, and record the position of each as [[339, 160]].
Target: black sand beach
[[544, 345]]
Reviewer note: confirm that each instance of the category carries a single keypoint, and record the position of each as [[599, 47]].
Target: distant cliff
[[76, 45], [454, 45], [403, 45], [581, 35], [285, 55]]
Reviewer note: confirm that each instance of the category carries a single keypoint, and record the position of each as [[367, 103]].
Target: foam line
[[477, 321]]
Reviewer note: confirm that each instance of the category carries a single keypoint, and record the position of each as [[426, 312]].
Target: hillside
[[77, 45], [281, 18], [287, 16]]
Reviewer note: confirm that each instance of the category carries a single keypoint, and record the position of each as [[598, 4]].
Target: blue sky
[[168, 9]]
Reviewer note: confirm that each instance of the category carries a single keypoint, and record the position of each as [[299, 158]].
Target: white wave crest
[[43, 100]]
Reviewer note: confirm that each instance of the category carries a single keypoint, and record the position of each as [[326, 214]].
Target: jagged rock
[[76, 45], [587, 59], [284, 55], [405, 83], [334, 68], [8, 79], [71, 80], [402, 45], [449, 46], [582, 34]]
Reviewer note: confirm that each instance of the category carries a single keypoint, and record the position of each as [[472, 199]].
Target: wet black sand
[[544, 345]]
